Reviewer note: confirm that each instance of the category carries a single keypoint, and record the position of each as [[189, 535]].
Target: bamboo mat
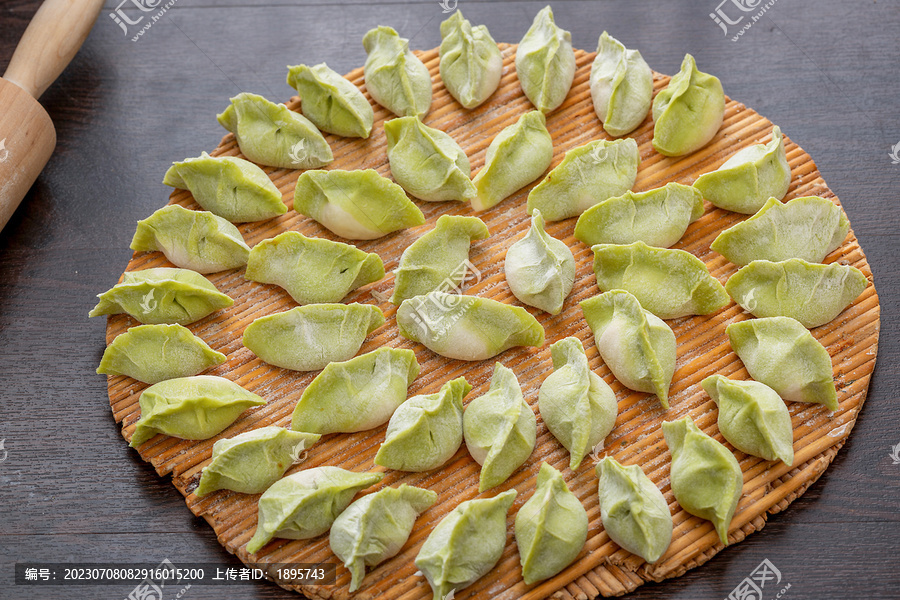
[[602, 568]]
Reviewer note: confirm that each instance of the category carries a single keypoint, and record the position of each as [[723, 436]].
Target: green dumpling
[[467, 327], [227, 186], [471, 63], [308, 338], [312, 270], [395, 77], [162, 295], [545, 62], [669, 283], [688, 112], [356, 205], [425, 431], [357, 394], [587, 175], [427, 162], [500, 429], [191, 408], [706, 477], [252, 461], [331, 102], [621, 86], [540, 269], [274, 135], [154, 353]]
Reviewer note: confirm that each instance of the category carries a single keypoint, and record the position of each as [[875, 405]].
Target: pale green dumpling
[[706, 477], [588, 174], [809, 228], [634, 512], [308, 338], [305, 504], [669, 283], [752, 417], [471, 64], [274, 135], [518, 155], [312, 270], [540, 269], [425, 431], [657, 217], [746, 180], [331, 102], [395, 77], [812, 293], [545, 62], [154, 353], [688, 112], [191, 408], [551, 528], [638, 346], [577, 406], [500, 429], [466, 544], [357, 394], [356, 205], [467, 327], [427, 162], [781, 353], [233, 188], [252, 461], [375, 527], [438, 260], [621, 86], [162, 295]]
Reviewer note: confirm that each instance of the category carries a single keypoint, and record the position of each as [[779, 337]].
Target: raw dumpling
[[750, 177], [471, 63], [425, 431], [809, 228], [657, 217], [356, 205], [540, 269], [669, 283], [162, 295], [638, 347], [812, 293], [395, 77], [252, 461], [305, 504], [375, 527], [706, 477], [753, 417], [688, 112], [621, 86], [192, 239], [467, 327], [587, 175], [230, 187], [545, 62], [576, 405], [357, 394], [500, 429], [781, 353], [274, 135], [427, 162], [466, 544], [191, 408], [154, 353], [551, 528], [634, 512], [518, 155], [331, 102], [308, 338], [312, 270]]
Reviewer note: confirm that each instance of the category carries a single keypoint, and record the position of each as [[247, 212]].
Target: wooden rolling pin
[[27, 136]]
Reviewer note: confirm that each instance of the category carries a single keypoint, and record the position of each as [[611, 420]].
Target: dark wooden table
[[70, 488]]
